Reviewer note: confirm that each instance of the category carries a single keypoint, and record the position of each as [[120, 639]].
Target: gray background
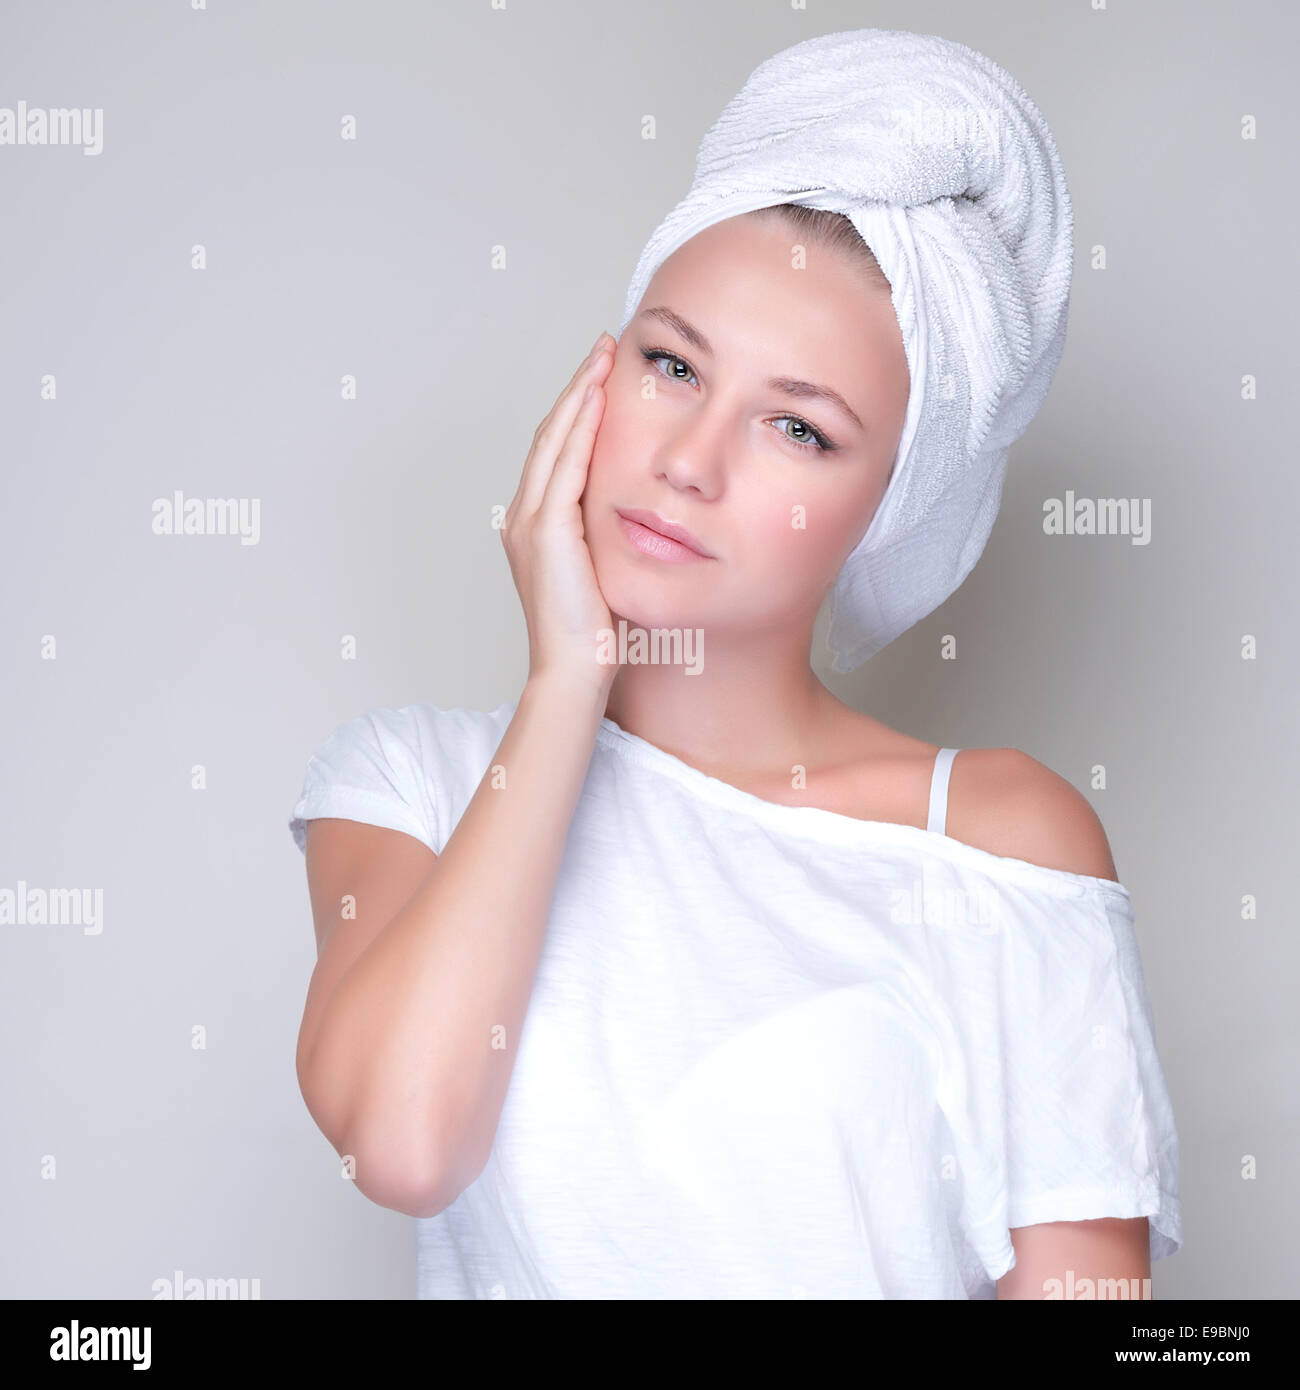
[[522, 127]]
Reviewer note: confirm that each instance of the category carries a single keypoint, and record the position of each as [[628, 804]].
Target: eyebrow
[[787, 385]]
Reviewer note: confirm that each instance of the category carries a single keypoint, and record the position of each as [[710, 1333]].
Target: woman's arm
[[414, 1011], [412, 1023], [1010, 804], [1112, 1248]]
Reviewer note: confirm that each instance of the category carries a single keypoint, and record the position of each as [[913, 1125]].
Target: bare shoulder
[[1008, 803]]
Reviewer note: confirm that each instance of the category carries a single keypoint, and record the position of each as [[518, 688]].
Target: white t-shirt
[[776, 1051]]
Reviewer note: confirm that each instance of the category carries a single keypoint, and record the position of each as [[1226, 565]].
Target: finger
[[554, 430], [569, 474], [577, 380]]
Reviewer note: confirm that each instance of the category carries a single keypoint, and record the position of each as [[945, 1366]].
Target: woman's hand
[[544, 539]]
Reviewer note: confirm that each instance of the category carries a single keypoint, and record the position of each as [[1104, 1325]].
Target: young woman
[[678, 977]]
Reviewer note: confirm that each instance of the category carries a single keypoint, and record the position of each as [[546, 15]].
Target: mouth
[[663, 540]]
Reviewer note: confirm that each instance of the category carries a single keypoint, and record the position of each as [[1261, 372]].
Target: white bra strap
[[939, 790]]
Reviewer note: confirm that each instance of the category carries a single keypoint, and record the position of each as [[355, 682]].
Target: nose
[[692, 459]]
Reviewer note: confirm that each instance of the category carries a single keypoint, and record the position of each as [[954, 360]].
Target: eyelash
[[824, 444]]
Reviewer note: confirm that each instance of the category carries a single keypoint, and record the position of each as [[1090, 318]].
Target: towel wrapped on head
[[951, 176]]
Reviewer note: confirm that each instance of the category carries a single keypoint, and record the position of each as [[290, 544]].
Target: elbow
[[401, 1161], [391, 1170], [400, 1169], [414, 1190], [390, 1154], [419, 1187]]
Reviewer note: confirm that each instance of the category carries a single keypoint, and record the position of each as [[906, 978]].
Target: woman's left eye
[[822, 444]]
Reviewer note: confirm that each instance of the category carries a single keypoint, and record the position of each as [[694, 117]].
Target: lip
[[666, 540]]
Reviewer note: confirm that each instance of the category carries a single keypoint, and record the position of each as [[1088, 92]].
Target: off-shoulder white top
[[779, 1052]]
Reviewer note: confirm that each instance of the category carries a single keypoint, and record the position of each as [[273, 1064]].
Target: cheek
[[614, 445], [809, 527]]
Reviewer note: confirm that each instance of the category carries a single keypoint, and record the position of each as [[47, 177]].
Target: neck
[[753, 705]]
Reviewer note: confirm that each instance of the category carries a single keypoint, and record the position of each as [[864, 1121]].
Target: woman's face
[[776, 482]]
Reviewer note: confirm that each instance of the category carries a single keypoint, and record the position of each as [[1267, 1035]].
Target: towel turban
[[950, 175]]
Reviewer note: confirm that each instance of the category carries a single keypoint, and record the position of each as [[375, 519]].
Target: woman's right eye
[[655, 354]]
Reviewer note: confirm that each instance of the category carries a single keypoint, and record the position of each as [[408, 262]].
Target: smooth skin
[[415, 1007]]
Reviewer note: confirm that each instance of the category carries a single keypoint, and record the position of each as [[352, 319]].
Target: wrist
[[577, 694]]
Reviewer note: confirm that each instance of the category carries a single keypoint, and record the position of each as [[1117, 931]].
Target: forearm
[[413, 1055]]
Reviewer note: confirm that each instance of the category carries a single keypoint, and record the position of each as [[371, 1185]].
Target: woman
[[678, 977]]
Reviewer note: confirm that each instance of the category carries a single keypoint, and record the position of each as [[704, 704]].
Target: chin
[[643, 602]]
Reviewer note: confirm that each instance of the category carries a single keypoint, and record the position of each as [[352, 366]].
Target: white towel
[[952, 177]]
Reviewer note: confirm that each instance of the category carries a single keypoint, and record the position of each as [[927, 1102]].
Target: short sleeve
[[1057, 1098], [369, 769]]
